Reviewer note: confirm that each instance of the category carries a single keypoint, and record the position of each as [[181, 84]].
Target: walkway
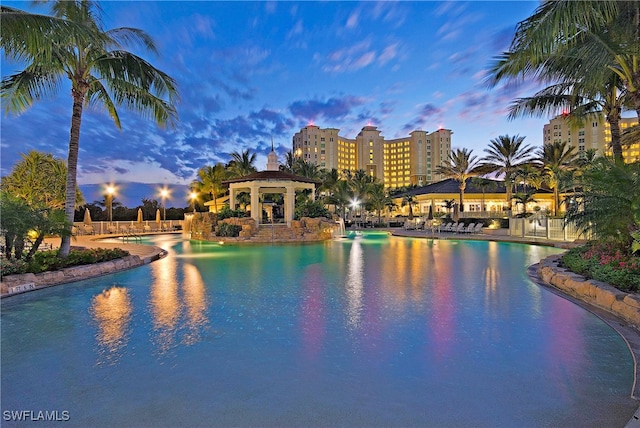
[[147, 253]]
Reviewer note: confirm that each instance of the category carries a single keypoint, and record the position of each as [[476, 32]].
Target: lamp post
[[164, 193], [193, 195], [110, 191], [354, 205]]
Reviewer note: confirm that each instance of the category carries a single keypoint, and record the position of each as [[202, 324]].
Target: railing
[[126, 227], [553, 229]]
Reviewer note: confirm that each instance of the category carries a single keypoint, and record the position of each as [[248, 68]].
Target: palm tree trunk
[[556, 200], [72, 168], [614, 123], [461, 199]]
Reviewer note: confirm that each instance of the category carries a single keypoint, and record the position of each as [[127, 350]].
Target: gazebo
[[270, 181]]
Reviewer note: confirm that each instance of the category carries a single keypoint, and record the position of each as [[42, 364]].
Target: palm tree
[[210, 181], [555, 158], [71, 44], [378, 199], [306, 169], [341, 196], [409, 200], [504, 155], [462, 165], [523, 198], [242, 163], [484, 184], [606, 205], [289, 161], [580, 45]]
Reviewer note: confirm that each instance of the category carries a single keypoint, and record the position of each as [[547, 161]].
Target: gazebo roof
[[272, 176]]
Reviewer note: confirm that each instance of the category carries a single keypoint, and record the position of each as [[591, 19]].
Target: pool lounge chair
[[478, 228], [459, 229], [469, 229]]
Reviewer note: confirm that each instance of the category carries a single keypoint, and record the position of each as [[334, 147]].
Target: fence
[[118, 227], [554, 229]]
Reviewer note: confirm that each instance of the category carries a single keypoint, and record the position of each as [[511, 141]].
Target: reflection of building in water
[[111, 310]]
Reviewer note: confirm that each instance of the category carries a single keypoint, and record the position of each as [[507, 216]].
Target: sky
[[250, 72]]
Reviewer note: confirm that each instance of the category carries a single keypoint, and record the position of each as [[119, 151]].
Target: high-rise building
[[594, 134], [396, 163]]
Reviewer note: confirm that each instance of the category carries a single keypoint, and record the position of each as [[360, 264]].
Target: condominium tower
[[396, 163], [594, 134]]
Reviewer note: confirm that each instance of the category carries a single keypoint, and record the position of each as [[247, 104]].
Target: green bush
[[228, 230], [44, 261], [605, 261], [312, 209], [227, 212]]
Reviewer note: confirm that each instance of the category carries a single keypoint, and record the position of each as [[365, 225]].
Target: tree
[[210, 181], [378, 199], [606, 204], [579, 45], [461, 166], [409, 200], [72, 44], [523, 198], [242, 163], [504, 155], [341, 196], [555, 158], [484, 184], [39, 179]]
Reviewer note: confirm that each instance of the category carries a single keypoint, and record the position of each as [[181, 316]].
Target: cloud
[[428, 113], [331, 109]]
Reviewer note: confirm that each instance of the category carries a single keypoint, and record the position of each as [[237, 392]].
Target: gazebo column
[[232, 198], [289, 204], [256, 212]]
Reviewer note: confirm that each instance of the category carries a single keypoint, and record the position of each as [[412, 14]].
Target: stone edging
[[596, 293], [21, 283]]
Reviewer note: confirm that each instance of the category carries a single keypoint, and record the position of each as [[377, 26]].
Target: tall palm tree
[[579, 44], [289, 161], [462, 165], [341, 196], [72, 44], [504, 155], [555, 158], [242, 163], [210, 181], [307, 169]]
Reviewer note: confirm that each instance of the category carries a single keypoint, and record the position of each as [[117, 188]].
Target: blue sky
[[251, 71]]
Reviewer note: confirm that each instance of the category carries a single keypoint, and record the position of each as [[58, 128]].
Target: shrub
[[312, 209], [605, 261], [12, 266], [44, 261], [227, 212], [228, 230]]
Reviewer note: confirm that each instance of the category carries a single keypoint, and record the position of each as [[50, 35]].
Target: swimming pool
[[354, 332]]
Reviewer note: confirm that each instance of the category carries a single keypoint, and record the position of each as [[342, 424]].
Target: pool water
[[367, 331]]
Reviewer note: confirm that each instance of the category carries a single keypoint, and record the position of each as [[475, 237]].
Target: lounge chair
[[112, 229], [88, 229], [459, 229], [448, 227], [469, 229], [124, 228], [409, 225], [478, 228]]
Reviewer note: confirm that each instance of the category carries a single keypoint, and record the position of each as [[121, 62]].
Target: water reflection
[[111, 310], [354, 285], [313, 317], [178, 305]]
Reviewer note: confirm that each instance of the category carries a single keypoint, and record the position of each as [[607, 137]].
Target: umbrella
[[158, 218], [430, 215], [139, 215], [87, 217]]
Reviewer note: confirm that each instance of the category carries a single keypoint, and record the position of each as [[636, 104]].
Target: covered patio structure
[[270, 182]]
